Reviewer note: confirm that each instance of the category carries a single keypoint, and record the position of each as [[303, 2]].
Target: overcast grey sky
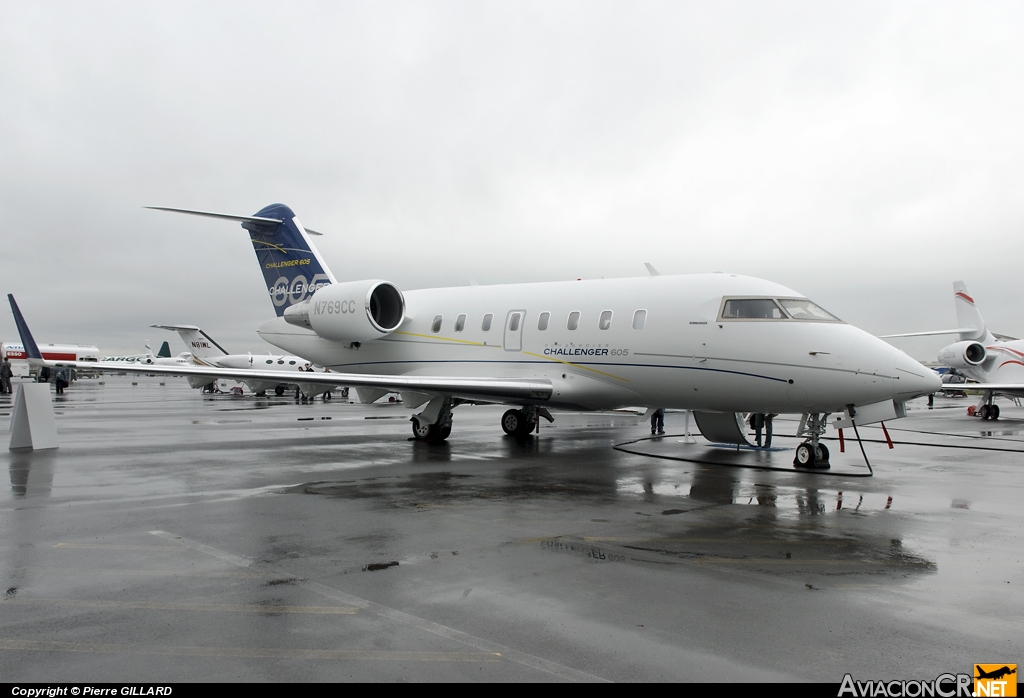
[[865, 154]]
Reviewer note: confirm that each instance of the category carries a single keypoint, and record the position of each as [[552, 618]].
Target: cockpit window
[[803, 309], [781, 309], [752, 309]]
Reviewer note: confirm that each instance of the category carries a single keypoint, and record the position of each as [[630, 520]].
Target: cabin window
[[460, 323], [436, 326], [542, 321], [280, 361], [803, 309], [513, 322], [639, 319], [752, 309], [486, 324], [291, 363], [606, 320], [270, 361], [574, 320]]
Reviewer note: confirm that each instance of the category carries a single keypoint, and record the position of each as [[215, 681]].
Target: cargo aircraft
[[995, 361], [718, 344]]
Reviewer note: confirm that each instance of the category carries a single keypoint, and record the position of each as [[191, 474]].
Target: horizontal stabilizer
[[228, 217]]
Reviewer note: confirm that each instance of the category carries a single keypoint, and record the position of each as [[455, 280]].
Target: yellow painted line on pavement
[[248, 652], [117, 546], [182, 606], [782, 561], [150, 573]]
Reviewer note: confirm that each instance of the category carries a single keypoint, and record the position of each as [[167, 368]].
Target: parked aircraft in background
[[18, 357], [717, 344], [207, 352], [995, 361], [164, 353]]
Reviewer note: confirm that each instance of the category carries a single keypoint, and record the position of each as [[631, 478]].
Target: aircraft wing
[[494, 389], [498, 389], [930, 333], [1015, 389]]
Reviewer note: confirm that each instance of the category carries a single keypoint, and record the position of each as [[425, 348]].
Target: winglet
[[31, 348], [651, 270]]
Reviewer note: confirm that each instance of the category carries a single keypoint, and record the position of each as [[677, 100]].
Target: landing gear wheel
[[443, 433], [985, 412], [995, 412], [423, 432], [821, 456], [511, 422], [529, 428], [279, 390], [804, 456]]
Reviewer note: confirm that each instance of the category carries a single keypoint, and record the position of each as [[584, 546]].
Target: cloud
[[866, 155]]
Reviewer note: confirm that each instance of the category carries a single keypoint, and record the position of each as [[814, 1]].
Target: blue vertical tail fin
[[292, 267]]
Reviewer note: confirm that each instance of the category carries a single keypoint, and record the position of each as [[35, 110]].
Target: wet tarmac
[[176, 537]]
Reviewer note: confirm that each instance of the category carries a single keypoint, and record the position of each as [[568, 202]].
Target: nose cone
[[912, 378]]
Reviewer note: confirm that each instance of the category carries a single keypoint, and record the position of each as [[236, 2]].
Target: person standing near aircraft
[[5, 377], [658, 421], [60, 381]]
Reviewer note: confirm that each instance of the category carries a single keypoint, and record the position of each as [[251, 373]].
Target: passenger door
[[514, 330]]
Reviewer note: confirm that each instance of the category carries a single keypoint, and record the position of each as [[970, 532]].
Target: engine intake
[[964, 354], [353, 311]]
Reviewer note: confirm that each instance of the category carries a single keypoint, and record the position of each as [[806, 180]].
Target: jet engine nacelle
[[963, 354], [353, 311]]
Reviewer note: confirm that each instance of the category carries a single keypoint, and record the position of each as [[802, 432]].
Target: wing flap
[[475, 387]]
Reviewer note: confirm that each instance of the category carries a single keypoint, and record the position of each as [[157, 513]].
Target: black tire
[[821, 454], [511, 422], [529, 428], [804, 456], [423, 432], [985, 412], [443, 433], [994, 412], [279, 390]]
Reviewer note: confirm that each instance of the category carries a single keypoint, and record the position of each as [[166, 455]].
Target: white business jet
[[995, 361], [717, 344], [206, 351]]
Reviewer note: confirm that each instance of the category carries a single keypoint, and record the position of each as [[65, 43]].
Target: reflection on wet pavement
[[162, 522]]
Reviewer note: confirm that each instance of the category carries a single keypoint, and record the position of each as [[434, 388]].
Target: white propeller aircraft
[[206, 351], [717, 344], [995, 361]]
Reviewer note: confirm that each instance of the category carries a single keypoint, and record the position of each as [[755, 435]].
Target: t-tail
[[292, 267], [200, 344], [968, 317]]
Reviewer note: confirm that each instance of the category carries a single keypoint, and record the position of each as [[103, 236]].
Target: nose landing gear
[[812, 453]]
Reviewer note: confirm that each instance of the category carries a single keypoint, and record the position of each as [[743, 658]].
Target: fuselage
[[655, 341]]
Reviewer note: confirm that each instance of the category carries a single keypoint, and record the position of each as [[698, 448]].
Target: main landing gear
[[521, 422], [812, 453], [434, 423], [987, 409]]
